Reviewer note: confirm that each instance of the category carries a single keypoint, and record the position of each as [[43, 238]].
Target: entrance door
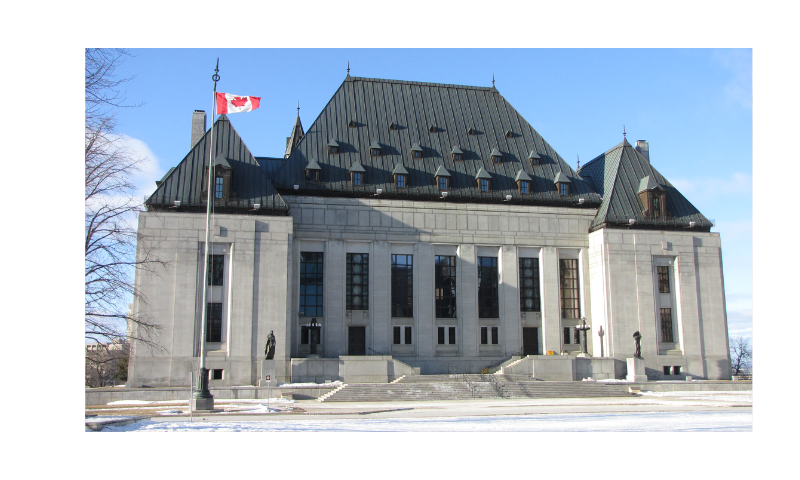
[[357, 340], [530, 341]]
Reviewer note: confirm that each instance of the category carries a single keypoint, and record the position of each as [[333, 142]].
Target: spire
[[348, 68], [579, 164], [624, 135], [492, 79], [297, 134]]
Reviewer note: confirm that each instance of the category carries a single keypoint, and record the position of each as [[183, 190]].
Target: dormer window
[[333, 147], [400, 175], [496, 155], [223, 177], [653, 197], [457, 153], [534, 158], [374, 149], [524, 186], [357, 178], [442, 178], [312, 171], [357, 174], [416, 151], [562, 184], [218, 187], [484, 180], [523, 181]]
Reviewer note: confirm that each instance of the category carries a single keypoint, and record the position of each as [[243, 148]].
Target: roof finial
[[492, 79], [579, 163], [298, 108], [348, 68], [624, 135]]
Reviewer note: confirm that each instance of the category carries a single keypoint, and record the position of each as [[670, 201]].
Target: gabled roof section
[[297, 134], [483, 174], [356, 167], [648, 183], [441, 172], [416, 148], [249, 183], [495, 153], [618, 175], [313, 165], [375, 104], [522, 175], [561, 178], [399, 169], [533, 154], [270, 165]]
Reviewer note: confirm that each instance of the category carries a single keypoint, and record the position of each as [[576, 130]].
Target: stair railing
[[470, 386], [497, 386]]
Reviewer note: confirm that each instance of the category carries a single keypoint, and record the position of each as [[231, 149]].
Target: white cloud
[[739, 90], [738, 184], [150, 169]]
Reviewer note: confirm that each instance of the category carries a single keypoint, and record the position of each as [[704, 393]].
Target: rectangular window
[[402, 335], [667, 370], [450, 338], [663, 279], [311, 284], [676, 370], [495, 336], [564, 188], [402, 286], [484, 335], [218, 187], [570, 301], [214, 322], [357, 281], [666, 325], [216, 374], [445, 284], [566, 336], [215, 265], [442, 183], [356, 178], [401, 181], [523, 187], [305, 336], [488, 304], [576, 336], [484, 185], [529, 285]]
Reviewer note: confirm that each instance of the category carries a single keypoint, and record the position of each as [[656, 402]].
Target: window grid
[[488, 304], [401, 181], [529, 300], [563, 188], [484, 185], [445, 283], [566, 336], [663, 279], [214, 322], [311, 284], [357, 281], [215, 269], [402, 285], [356, 178], [666, 325], [523, 187], [570, 301], [442, 183], [218, 187], [576, 336]]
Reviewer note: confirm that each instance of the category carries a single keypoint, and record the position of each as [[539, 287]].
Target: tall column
[[551, 302], [467, 299], [424, 299], [509, 287], [335, 280]]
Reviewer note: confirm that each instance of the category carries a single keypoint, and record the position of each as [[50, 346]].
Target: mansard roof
[[374, 104], [249, 183], [617, 176]]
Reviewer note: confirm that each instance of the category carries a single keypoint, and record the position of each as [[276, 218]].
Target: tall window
[[563, 188], [663, 279], [484, 185], [402, 285], [442, 183], [214, 322], [488, 305], [218, 187], [666, 325], [401, 181], [215, 265], [356, 178], [311, 284], [570, 301], [566, 336], [523, 187], [358, 281], [445, 282], [529, 285]]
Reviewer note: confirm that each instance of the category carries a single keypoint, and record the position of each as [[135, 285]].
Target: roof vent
[[471, 131], [351, 124], [393, 126], [509, 134], [432, 129]]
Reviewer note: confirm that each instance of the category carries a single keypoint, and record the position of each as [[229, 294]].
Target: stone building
[[421, 227]]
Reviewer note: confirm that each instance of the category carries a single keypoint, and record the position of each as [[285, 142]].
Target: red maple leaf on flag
[[239, 101]]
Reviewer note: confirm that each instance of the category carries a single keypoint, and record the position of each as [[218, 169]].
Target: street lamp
[[583, 328]]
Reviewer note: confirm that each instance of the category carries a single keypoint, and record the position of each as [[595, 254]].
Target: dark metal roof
[[297, 134], [617, 175], [483, 174], [561, 178], [648, 183], [374, 104], [522, 175], [313, 165], [270, 165], [441, 172], [249, 183], [399, 169]]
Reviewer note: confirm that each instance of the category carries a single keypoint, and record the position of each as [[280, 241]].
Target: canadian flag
[[230, 103]]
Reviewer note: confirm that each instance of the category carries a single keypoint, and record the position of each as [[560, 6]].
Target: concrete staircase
[[422, 389]]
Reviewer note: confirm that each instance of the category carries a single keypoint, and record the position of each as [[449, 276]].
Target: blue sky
[[694, 107]]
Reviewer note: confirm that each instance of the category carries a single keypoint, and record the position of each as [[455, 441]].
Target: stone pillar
[[636, 372], [467, 299], [424, 266], [333, 330], [380, 325], [509, 290], [551, 302]]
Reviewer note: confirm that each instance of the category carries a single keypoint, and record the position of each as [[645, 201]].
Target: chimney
[[198, 126], [643, 148]]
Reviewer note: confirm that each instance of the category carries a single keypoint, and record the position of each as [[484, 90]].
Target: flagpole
[[203, 400]]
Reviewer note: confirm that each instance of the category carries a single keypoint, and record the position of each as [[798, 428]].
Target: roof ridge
[[429, 84], [620, 144]]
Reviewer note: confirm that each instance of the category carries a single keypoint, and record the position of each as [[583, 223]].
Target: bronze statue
[[269, 350], [637, 339]]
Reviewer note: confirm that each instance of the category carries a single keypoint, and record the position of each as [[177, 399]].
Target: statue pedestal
[[267, 367], [636, 370], [584, 355]]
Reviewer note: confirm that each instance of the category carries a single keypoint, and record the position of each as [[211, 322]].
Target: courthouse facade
[[431, 224]]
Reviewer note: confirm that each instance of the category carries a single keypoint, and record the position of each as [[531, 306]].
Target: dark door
[[357, 340], [530, 341]]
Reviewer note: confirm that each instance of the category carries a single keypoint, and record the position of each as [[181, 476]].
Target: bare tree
[[111, 260], [106, 364], [741, 356]]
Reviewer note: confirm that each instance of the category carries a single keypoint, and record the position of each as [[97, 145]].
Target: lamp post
[[583, 328]]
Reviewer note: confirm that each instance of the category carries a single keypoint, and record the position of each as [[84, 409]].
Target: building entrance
[[356, 341], [530, 341]]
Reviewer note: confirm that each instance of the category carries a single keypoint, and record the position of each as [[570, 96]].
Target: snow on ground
[[337, 383], [701, 421], [745, 396], [216, 401]]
